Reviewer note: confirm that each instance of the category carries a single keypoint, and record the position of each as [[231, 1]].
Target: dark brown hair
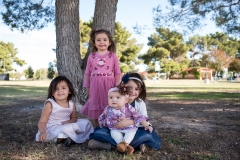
[[140, 84], [111, 48], [53, 86], [124, 90]]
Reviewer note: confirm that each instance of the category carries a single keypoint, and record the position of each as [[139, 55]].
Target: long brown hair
[[139, 82], [53, 85], [111, 48]]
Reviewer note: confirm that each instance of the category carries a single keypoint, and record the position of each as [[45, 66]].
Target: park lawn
[[164, 89], [193, 90], [194, 95], [11, 94], [192, 119]]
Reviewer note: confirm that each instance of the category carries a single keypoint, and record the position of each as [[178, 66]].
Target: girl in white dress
[[58, 121]]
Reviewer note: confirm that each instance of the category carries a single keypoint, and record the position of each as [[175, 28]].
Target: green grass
[[22, 91], [9, 94], [193, 90], [182, 90], [194, 95]]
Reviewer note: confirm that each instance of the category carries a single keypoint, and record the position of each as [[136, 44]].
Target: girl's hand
[[65, 122], [149, 128], [42, 137], [124, 122]]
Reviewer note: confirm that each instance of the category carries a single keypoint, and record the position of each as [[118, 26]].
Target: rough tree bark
[[67, 43]]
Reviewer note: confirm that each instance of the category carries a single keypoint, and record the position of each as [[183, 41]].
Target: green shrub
[[196, 73]]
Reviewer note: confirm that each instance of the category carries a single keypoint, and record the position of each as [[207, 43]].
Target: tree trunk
[[104, 18], [67, 44]]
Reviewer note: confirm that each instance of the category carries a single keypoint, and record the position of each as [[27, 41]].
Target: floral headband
[[114, 89], [126, 78]]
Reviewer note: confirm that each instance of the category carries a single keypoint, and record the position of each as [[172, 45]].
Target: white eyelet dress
[[78, 132]]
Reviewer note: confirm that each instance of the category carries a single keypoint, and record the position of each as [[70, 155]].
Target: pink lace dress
[[102, 73]]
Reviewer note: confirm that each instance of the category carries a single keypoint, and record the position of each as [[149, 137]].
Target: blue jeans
[[142, 137]]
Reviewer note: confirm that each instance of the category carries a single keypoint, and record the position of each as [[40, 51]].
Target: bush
[[184, 74], [196, 73]]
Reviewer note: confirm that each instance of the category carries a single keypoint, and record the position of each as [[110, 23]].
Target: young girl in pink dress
[[102, 73]]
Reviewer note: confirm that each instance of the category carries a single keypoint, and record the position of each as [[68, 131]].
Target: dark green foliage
[[84, 29], [27, 15], [204, 45], [29, 72], [8, 56], [196, 73], [184, 73], [165, 43], [234, 66], [169, 48], [51, 70], [191, 14], [127, 48]]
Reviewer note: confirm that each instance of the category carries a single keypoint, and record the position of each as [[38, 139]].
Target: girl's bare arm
[[73, 117], [46, 111]]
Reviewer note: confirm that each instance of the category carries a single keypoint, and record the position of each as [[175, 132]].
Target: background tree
[[67, 37], [234, 66], [198, 45], [226, 43], [15, 76], [168, 66], [165, 45], [201, 46], [36, 15], [204, 60], [218, 60], [27, 15], [85, 29], [50, 70], [41, 74], [8, 56], [32, 14], [190, 14], [29, 72], [127, 48]]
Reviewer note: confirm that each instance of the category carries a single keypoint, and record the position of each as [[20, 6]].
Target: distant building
[[205, 73], [23, 78]]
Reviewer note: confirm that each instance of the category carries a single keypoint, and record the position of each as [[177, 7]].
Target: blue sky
[[35, 47]]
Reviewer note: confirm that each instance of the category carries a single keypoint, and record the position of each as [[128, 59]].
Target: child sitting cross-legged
[[117, 109]]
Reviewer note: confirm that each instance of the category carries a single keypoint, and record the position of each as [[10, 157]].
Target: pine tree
[[164, 45], [51, 70], [29, 72], [8, 56], [191, 15]]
